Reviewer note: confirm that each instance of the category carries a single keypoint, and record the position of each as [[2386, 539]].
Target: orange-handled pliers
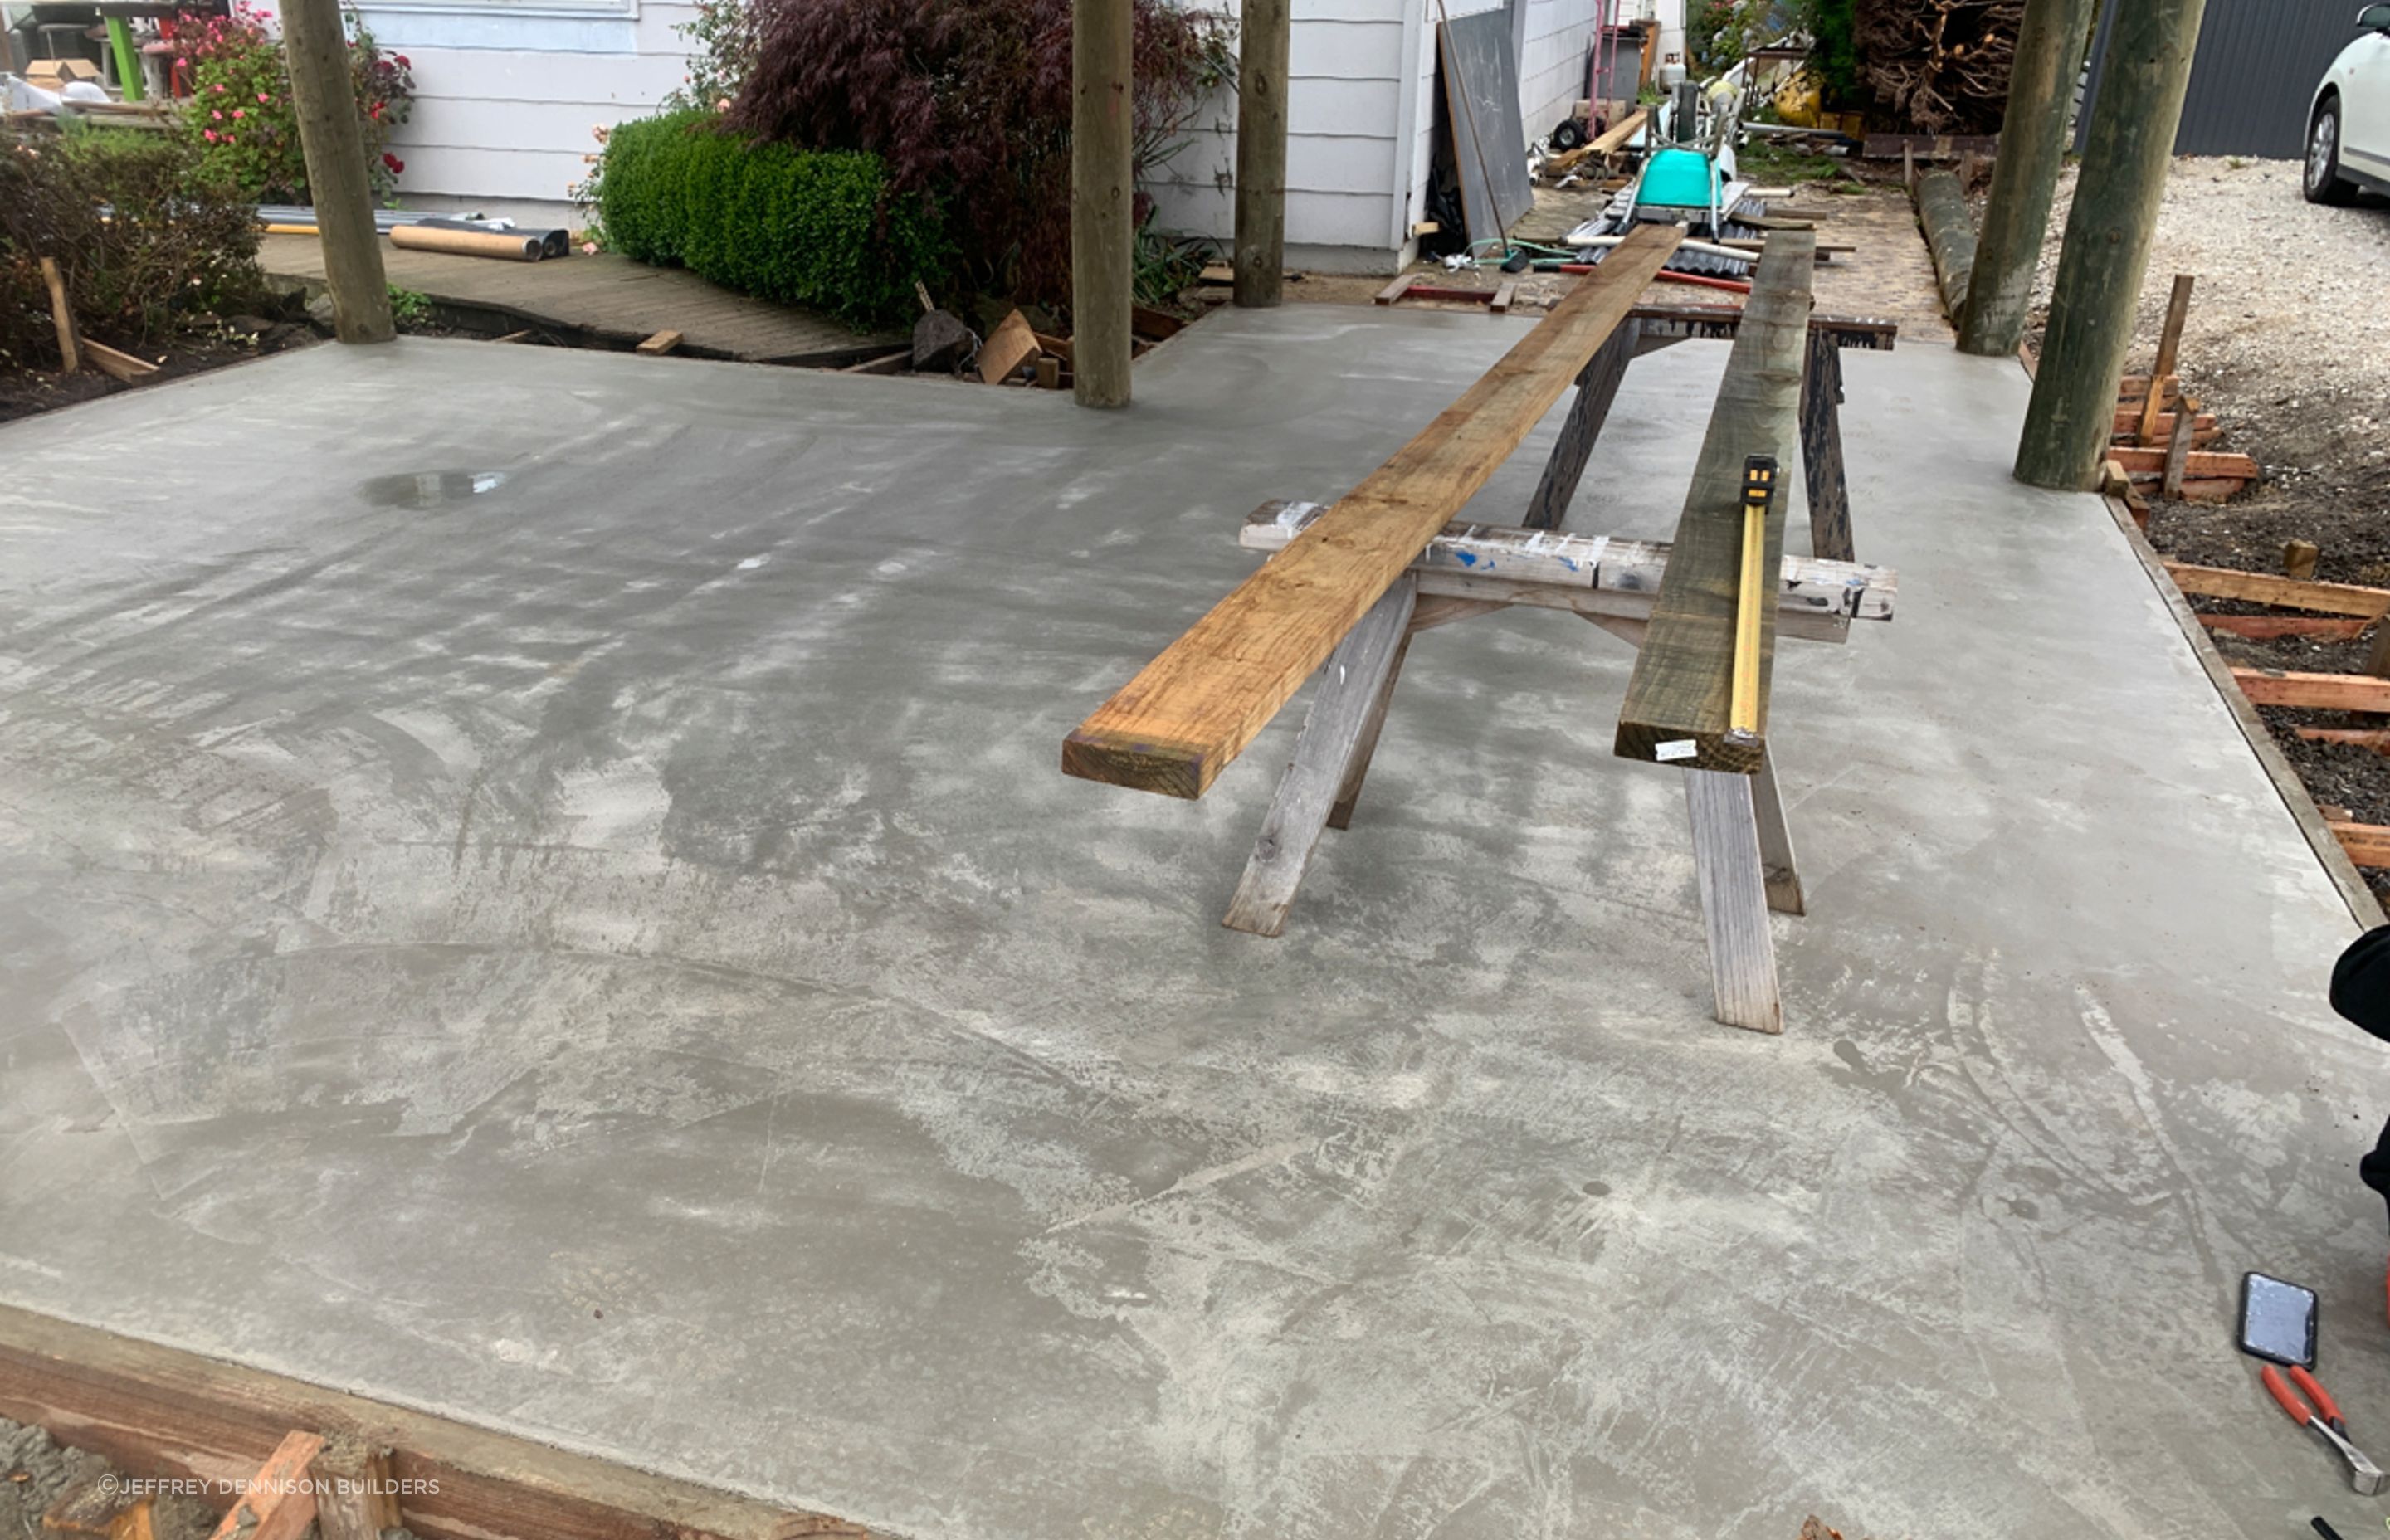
[[2324, 1417]]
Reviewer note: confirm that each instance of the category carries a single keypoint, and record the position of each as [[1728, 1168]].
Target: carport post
[[2032, 140], [1102, 236], [1262, 45], [327, 103], [2126, 159]]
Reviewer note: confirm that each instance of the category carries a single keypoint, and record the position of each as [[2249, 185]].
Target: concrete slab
[[536, 886]]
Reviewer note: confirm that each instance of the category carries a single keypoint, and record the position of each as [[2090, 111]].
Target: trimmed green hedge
[[802, 226]]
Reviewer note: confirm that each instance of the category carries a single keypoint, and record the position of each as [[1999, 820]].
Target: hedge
[[809, 227]]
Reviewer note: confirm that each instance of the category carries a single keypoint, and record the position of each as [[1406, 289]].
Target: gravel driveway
[[2289, 337]]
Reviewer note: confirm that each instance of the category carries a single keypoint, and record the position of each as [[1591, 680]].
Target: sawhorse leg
[[1597, 387], [1427, 614], [1353, 687], [1775, 842], [1821, 451], [1734, 899]]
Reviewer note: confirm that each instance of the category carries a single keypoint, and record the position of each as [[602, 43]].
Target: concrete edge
[[2362, 905]]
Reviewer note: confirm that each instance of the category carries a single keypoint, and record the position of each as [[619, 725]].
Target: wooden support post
[[1352, 688], [1348, 796], [2024, 174], [1102, 238], [2299, 558], [2126, 159], [2163, 382], [1597, 389], [356, 1498], [1776, 865], [1261, 152], [2178, 453], [1734, 899], [1821, 451], [324, 97], [61, 316]]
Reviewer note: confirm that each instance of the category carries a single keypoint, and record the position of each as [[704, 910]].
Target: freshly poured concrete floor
[[536, 885]]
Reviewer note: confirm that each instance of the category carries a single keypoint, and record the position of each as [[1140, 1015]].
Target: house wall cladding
[[2253, 76], [506, 96]]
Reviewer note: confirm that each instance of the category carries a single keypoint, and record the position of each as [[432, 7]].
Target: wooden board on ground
[[606, 298], [157, 1413], [1010, 345], [2368, 844], [2326, 692], [2200, 467], [1677, 700], [2327, 599], [1192, 710], [1481, 98], [661, 343], [115, 365]]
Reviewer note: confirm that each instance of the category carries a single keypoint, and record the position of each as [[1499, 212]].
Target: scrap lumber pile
[[2161, 439], [2325, 612], [1013, 353], [1941, 66]]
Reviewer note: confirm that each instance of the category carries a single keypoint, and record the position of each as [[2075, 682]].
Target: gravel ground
[[2289, 336], [2288, 344]]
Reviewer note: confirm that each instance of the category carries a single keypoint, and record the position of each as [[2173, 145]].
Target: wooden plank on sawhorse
[[1657, 326], [1474, 569], [1678, 702], [1192, 710], [1679, 706], [1347, 709]]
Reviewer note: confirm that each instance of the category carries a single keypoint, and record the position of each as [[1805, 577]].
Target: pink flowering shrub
[[240, 115]]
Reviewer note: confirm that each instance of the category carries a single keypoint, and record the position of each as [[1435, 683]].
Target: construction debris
[[1941, 66]]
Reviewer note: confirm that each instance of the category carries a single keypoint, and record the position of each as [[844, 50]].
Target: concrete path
[[535, 884]]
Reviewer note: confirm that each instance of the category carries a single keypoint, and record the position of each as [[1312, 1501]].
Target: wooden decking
[[604, 299]]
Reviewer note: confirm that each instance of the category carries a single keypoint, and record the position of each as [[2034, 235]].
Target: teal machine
[[1688, 179]]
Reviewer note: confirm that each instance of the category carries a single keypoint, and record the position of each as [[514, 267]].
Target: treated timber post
[[1101, 237], [2126, 159], [2024, 175], [327, 103], [1261, 152]]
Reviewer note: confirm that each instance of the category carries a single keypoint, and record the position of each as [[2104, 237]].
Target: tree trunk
[[1261, 152], [325, 103], [2024, 177], [1102, 236], [1950, 236], [2126, 159]]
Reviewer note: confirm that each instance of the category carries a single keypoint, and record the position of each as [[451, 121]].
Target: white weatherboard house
[[508, 91]]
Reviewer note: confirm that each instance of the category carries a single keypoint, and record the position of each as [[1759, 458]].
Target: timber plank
[[158, 1412], [2368, 844], [2330, 598], [1678, 694], [1181, 721], [2205, 466], [2329, 692]]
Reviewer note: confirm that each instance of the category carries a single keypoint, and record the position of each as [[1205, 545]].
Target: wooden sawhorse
[[1743, 844]]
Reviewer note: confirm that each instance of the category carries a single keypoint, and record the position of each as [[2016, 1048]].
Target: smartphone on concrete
[[2278, 1320]]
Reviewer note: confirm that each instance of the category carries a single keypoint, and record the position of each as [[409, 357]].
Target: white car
[[2348, 128]]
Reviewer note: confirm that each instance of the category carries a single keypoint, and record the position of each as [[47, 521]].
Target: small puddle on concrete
[[431, 489]]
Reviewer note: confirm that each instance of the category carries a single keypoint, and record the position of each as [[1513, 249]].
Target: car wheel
[[2323, 182]]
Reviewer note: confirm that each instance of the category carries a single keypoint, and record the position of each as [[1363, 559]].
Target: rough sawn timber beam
[[1679, 690], [1192, 710], [160, 1413]]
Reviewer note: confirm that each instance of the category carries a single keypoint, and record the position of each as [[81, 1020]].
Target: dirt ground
[[26, 392]]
